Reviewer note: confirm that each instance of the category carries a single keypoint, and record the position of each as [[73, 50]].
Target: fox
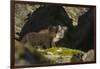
[[45, 38], [42, 39]]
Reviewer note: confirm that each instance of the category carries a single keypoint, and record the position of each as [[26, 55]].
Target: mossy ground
[[49, 55], [62, 51]]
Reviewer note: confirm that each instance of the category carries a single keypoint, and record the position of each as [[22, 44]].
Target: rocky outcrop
[[89, 56]]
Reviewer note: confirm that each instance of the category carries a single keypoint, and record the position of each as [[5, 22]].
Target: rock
[[63, 59], [77, 57], [75, 12], [59, 60], [89, 56], [22, 11]]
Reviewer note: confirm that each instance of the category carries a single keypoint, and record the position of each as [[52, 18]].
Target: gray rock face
[[22, 10], [75, 12], [89, 56]]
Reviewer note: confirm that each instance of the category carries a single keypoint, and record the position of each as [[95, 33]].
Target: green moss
[[53, 50], [63, 52]]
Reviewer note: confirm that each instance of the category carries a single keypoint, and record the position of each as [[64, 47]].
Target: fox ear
[[59, 27]]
